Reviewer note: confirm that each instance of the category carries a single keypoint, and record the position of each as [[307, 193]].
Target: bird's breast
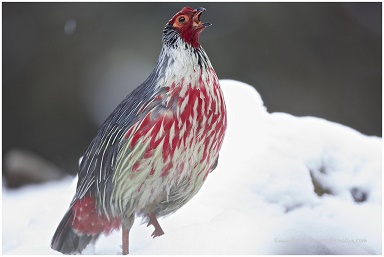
[[176, 143]]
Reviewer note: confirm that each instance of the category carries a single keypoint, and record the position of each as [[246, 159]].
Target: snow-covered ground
[[260, 200]]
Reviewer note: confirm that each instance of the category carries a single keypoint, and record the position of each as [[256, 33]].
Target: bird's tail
[[66, 240]]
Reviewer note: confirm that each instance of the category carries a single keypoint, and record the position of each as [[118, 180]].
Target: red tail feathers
[[81, 225]]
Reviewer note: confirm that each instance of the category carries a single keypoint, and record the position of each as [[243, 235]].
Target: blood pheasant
[[154, 152]]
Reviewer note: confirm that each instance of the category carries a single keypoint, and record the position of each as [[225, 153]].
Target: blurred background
[[66, 66]]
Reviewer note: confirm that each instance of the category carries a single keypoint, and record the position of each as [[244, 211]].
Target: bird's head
[[187, 25]]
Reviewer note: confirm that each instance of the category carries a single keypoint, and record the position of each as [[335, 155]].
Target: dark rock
[[358, 195], [23, 167]]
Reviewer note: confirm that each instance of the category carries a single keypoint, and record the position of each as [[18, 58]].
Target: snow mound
[[284, 185]]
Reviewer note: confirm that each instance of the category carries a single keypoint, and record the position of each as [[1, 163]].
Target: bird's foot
[[154, 222]]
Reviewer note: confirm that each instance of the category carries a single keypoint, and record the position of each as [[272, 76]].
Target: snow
[[260, 200]]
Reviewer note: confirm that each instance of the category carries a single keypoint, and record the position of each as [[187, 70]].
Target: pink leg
[[153, 221], [125, 241]]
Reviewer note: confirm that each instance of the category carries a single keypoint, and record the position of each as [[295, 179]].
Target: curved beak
[[196, 18]]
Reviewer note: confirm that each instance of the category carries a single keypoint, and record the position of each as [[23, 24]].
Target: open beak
[[196, 19]]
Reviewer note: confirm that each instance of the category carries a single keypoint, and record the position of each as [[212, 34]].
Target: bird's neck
[[182, 64], [188, 73]]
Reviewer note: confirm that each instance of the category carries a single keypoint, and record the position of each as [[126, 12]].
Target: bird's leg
[[153, 221], [125, 241], [127, 223]]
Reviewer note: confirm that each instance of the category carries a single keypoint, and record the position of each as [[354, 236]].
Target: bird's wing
[[99, 160]]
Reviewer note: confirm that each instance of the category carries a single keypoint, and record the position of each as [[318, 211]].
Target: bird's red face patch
[[187, 23]]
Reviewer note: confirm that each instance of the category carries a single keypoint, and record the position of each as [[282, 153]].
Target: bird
[[154, 152]]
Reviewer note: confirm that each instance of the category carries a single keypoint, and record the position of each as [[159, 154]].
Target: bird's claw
[[158, 230], [157, 233]]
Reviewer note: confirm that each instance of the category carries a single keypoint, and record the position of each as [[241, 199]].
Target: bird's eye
[[181, 19]]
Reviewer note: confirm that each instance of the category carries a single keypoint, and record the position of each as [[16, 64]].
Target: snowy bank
[[284, 185]]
